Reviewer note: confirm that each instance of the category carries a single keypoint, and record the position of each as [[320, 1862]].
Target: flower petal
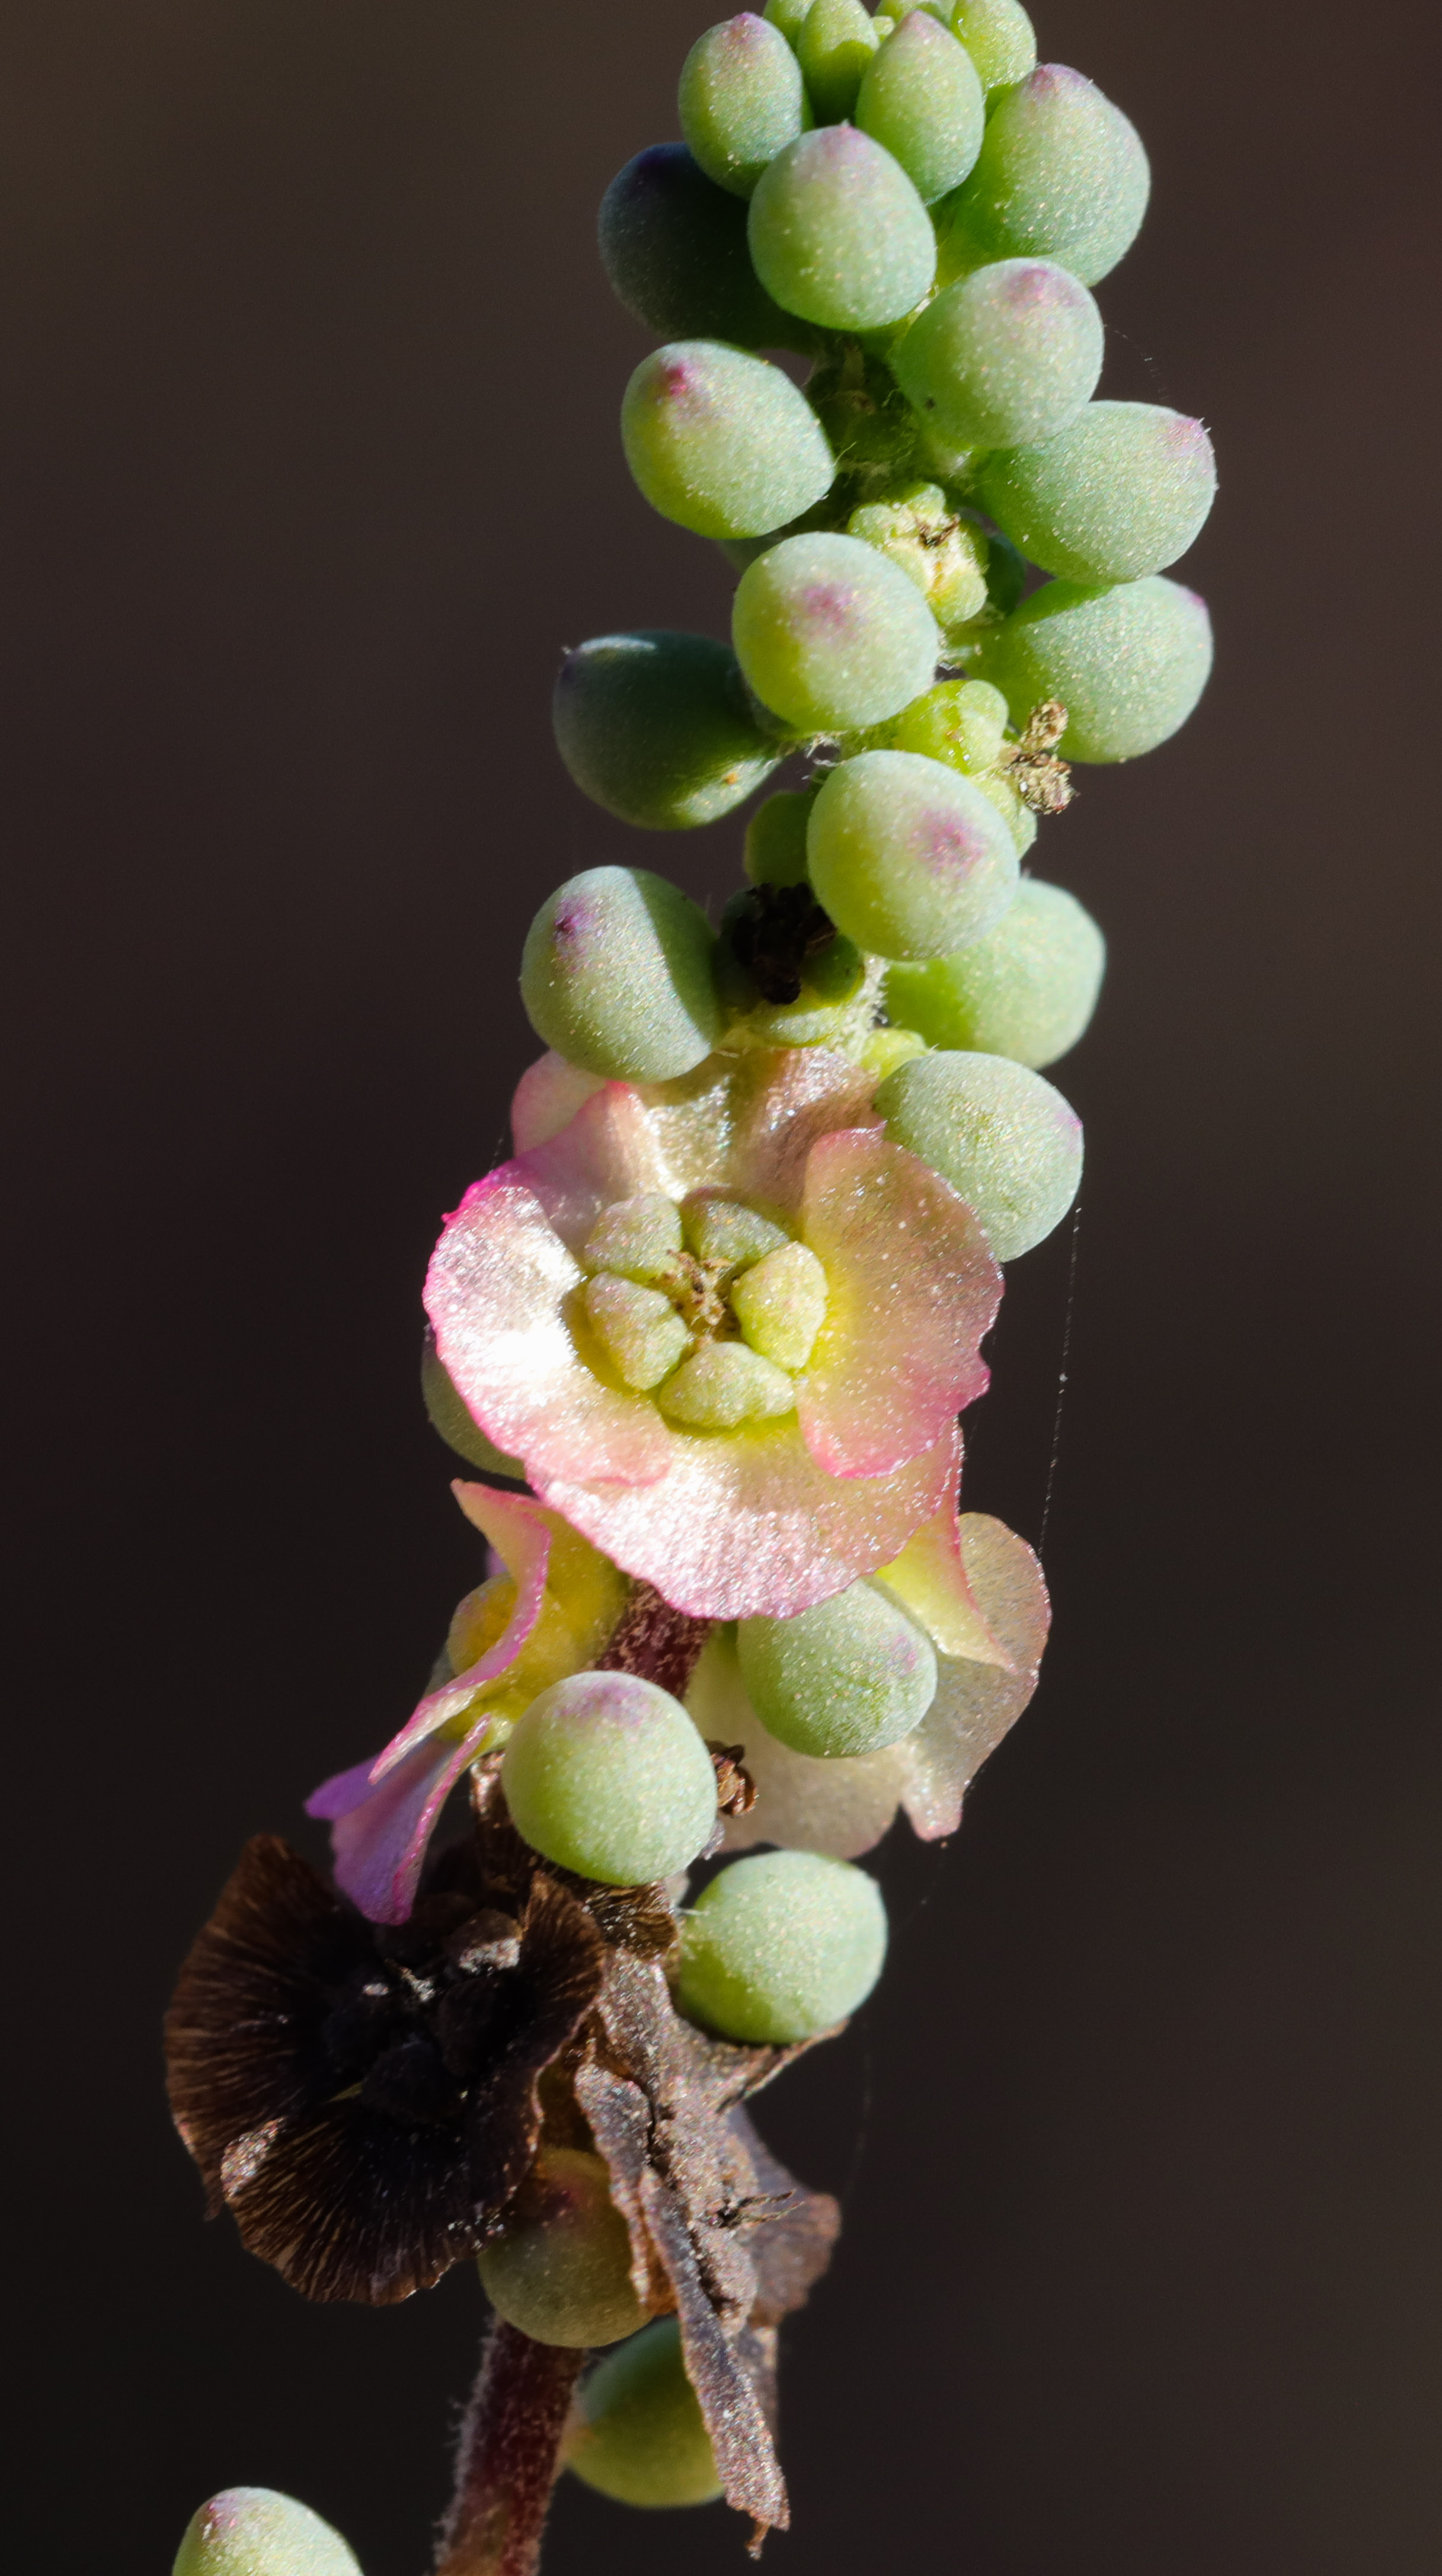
[[977, 1703], [547, 1098], [745, 1524], [747, 1123], [519, 1532], [930, 1578], [495, 1292], [912, 1288], [379, 1838]]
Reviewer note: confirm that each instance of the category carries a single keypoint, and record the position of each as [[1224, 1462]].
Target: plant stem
[[652, 1639], [506, 2459]]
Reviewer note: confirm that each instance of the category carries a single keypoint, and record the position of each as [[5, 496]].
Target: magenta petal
[[343, 1792], [380, 1844], [517, 1530], [496, 1290], [912, 1288], [746, 1525]]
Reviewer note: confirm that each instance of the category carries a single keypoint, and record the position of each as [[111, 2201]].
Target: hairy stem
[[652, 1639], [507, 2457]]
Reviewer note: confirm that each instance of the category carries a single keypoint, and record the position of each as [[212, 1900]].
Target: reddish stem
[[507, 2458], [652, 1639]]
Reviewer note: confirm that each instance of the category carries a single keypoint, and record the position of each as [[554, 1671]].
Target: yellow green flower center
[[707, 1304]]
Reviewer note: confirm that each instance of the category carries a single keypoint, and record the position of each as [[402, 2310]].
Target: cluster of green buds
[[720, 1312]]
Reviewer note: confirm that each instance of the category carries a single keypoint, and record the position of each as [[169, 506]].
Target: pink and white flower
[[858, 1448]]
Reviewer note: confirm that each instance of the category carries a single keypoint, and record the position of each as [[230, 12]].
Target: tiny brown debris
[[735, 1788], [1041, 780]]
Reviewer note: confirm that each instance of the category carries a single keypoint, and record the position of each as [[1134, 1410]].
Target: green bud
[[849, 1677], [1128, 663], [616, 976], [741, 100], [1000, 39], [656, 727], [781, 1946], [921, 98], [674, 247], [836, 43], [560, 2269], [252, 2531], [638, 2434], [838, 233], [775, 849], [1007, 1142], [1026, 989], [721, 442]]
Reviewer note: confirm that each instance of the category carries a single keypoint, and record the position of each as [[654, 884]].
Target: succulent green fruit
[[742, 100], [1117, 494], [1026, 989], [780, 1947], [560, 2268], [831, 635], [921, 98], [848, 1677], [637, 2433], [606, 1775], [252, 2531], [838, 233], [1128, 662], [836, 42], [656, 728], [722, 442], [616, 976], [1004, 1138], [1006, 356], [1061, 175], [674, 247]]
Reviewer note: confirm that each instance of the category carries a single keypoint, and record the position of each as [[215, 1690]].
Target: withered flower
[[363, 2097]]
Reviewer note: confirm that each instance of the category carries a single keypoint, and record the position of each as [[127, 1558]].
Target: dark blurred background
[[308, 468]]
